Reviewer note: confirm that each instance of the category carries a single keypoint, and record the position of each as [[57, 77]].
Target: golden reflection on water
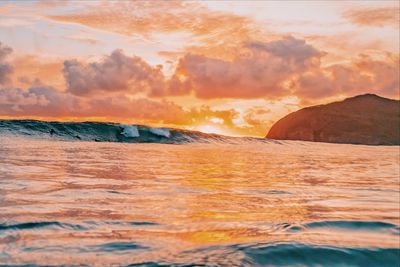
[[184, 197]]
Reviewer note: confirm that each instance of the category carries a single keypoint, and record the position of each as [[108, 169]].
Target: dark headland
[[364, 119]]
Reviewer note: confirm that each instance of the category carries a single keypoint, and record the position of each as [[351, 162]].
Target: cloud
[[295, 51], [205, 114], [285, 67], [118, 87], [138, 109], [84, 39], [31, 68], [261, 70], [257, 117], [5, 68], [114, 73], [37, 101], [379, 16], [117, 73], [363, 74], [133, 17], [15, 99], [216, 32], [46, 102]]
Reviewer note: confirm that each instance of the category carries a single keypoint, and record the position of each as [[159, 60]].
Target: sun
[[212, 129]]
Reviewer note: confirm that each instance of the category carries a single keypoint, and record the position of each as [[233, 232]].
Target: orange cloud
[[279, 68], [375, 16], [285, 67], [101, 90], [261, 70], [214, 33], [47, 102], [30, 69], [145, 17], [258, 118], [363, 74], [126, 88]]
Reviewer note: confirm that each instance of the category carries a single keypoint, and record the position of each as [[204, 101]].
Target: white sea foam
[[160, 132], [130, 131]]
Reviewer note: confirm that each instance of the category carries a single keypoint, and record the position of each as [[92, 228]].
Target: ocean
[[98, 194]]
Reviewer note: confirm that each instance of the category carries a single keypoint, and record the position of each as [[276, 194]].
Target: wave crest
[[112, 132]]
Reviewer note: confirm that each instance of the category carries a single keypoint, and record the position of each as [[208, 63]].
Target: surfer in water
[[52, 132], [120, 133]]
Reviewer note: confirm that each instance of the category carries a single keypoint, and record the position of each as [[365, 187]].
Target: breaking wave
[[110, 132]]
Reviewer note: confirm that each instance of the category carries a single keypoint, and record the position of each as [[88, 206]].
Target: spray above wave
[[109, 132]]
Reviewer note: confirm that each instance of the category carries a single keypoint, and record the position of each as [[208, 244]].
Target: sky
[[228, 67]]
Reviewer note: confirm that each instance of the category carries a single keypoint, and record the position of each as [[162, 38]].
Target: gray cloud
[[37, 101], [5, 68], [363, 74], [260, 70], [293, 50], [114, 73]]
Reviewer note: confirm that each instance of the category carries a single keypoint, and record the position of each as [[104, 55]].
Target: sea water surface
[[245, 203]]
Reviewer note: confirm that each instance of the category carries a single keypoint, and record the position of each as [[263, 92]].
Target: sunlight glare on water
[[256, 203]]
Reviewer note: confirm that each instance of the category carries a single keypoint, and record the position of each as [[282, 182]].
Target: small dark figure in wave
[[78, 137], [52, 132], [121, 130]]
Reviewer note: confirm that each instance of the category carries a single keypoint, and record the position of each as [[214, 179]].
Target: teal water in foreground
[[215, 202]]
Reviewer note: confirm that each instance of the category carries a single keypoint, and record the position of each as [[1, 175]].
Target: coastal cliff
[[365, 119]]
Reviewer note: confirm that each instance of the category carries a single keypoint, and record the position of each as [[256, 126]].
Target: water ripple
[[287, 254], [35, 225], [117, 247], [348, 225]]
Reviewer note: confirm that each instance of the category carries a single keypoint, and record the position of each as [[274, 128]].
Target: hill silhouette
[[363, 119]]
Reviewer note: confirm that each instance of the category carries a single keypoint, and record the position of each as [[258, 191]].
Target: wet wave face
[[106, 132], [65, 201]]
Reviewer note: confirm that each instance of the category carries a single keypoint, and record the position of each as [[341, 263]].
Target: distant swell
[[347, 225], [109, 132], [35, 225]]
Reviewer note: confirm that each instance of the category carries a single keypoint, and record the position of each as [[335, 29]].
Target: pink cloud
[[114, 73], [261, 70], [378, 16], [363, 74]]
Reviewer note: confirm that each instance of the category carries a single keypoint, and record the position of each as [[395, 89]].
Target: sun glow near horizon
[[211, 129]]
